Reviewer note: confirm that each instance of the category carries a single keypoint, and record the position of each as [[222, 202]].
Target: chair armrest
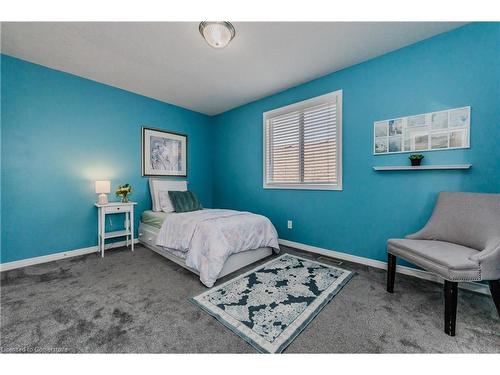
[[492, 249], [489, 260], [426, 233], [419, 235]]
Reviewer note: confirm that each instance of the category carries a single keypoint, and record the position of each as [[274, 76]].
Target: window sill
[[303, 187]]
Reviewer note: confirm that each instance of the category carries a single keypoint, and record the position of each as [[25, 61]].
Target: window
[[303, 144]]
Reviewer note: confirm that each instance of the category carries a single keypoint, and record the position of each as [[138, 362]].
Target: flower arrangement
[[416, 159], [123, 191]]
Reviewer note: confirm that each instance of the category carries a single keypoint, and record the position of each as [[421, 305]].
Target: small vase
[[124, 199], [415, 162]]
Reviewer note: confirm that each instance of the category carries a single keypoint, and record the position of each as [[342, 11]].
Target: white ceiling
[[170, 61]]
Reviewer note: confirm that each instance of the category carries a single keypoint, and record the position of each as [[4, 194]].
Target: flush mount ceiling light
[[217, 34]]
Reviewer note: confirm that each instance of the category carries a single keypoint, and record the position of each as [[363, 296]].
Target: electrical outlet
[[289, 224]]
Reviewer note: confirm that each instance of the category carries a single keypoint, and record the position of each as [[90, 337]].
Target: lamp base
[[103, 199]]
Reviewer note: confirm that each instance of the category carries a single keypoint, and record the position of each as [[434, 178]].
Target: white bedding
[[210, 236]]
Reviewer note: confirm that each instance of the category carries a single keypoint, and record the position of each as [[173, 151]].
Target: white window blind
[[302, 144]]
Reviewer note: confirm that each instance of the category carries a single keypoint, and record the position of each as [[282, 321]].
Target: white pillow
[[165, 203], [164, 186]]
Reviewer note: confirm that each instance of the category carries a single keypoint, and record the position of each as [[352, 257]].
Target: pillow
[[156, 186], [165, 204], [184, 201]]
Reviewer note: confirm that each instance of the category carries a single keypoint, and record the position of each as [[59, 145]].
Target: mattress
[[155, 219]]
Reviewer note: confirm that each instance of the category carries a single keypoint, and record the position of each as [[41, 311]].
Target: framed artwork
[[441, 130], [163, 153]]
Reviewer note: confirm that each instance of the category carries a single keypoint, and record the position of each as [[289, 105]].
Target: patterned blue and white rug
[[270, 305]]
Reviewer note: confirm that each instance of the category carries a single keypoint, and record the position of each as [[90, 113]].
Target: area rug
[[270, 305]]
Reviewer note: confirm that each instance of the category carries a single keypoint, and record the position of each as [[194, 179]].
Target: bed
[[211, 243]]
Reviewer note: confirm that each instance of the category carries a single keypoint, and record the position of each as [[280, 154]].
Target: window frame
[[299, 106]]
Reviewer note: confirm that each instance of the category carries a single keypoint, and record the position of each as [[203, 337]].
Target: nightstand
[[115, 208]]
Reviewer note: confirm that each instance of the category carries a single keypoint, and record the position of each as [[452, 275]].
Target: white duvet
[[210, 236]]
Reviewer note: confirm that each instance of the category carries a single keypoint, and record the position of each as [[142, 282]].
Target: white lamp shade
[[217, 34], [102, 187]]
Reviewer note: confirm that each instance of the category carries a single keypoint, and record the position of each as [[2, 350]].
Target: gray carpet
[[138, 302]]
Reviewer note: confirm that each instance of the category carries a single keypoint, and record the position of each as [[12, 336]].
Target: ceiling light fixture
[[217, 34]]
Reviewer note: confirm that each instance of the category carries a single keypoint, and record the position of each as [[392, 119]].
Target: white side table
[[115, 208]]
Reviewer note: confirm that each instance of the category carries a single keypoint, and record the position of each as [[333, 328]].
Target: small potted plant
[[416, 159], [123, 192]]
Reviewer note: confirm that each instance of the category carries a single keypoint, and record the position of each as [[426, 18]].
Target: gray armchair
[[460, 242]]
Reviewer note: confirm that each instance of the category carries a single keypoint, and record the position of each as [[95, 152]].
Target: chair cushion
[[448, 260]]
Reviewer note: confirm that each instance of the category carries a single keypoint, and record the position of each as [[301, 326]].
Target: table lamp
[[102, 188]]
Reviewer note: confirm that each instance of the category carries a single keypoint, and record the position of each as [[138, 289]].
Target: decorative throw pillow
[[184, 201]]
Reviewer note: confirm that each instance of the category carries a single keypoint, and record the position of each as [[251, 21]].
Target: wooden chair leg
[[495, 293], [450, 307], [391, 272]]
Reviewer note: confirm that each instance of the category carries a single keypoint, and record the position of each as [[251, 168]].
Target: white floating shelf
[[421, 167]]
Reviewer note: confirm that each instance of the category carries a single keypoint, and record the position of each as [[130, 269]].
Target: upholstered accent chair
[[460, 242]]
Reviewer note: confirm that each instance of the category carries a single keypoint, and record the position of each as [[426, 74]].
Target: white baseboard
[[56, 256], [475, 287]]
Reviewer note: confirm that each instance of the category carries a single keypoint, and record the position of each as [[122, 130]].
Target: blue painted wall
[[59, 134], [455, 69]]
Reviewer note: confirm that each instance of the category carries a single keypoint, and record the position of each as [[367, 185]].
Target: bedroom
[[247, 187]]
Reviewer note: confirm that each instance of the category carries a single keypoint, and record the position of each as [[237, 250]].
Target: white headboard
[[157, 185]]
